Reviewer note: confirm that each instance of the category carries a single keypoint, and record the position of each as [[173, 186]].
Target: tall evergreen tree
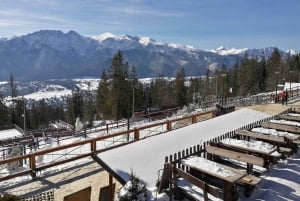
[[179, 88], [103, 99], [274, 64], [119, 87]]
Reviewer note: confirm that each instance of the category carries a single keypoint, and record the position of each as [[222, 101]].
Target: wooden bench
[[244, 157], [290, 117], [216, 173], [186, 184], [281, 127], [278, 140], [191, 191], [269, 159]]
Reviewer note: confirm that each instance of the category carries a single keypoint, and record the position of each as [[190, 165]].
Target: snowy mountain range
[[49, 54]]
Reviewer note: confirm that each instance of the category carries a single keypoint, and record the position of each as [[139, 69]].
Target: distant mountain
[[52, 54]]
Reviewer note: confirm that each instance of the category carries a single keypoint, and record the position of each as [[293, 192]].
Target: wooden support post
[[169, 125], [194, 119], [32, 165], [136, 134], [111, 195], [93, 146], [228, 191]]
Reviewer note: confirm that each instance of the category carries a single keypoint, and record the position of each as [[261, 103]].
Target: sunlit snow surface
[[146, 157]]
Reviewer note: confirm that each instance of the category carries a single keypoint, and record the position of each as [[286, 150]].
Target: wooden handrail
[[93, 148]]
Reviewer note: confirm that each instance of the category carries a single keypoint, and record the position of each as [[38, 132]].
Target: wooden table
[[248, 148], [229, 176]]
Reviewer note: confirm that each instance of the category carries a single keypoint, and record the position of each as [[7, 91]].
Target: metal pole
[[132, 100], [276, 86], [290, 80], [24, 116]]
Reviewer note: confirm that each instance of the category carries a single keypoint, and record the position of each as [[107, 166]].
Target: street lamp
[[24, 116], [276, 85], [223, 78]]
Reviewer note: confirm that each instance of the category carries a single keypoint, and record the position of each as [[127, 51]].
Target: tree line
[[120, 92]]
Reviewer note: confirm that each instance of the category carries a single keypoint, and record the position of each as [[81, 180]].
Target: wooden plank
[[296, 142], [290, 117], [285, 150], [282, 127], [236, 155], [199, 183], [164, 181], [232, 178], [261, 136], [250, 179]]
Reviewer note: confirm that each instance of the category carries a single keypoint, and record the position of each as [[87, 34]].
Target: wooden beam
[[289, 117], [235, 155], [261, 136], [197, 182], [282, 127]]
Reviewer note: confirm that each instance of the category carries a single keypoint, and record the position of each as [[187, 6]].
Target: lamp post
[[223, 76], [276, 85], [24, 116]]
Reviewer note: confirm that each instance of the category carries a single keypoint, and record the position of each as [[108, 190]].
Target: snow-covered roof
[[9, 133], [146, 157]]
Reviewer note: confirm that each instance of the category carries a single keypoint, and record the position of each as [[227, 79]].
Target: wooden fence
[[130, 136]]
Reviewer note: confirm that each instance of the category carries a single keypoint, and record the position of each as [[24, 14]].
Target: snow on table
[[214, 169], [269, 131], [146, 157], [286, 122], [252, 145], [294, 114]]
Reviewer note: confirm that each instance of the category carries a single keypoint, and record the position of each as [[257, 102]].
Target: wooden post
[[227, 191], [194, 119], [111, 196], [32, 165], [93, 146], [169, 125], [136, 134]]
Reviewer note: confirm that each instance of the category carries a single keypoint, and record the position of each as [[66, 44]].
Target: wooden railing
[[128, 136]]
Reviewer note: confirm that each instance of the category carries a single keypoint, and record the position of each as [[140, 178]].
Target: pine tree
[[179, 88], [134, 190], [119, 87], [4, 111], [103, 99], [273, 65]]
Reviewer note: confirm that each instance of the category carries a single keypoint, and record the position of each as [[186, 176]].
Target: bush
[[134, 190]]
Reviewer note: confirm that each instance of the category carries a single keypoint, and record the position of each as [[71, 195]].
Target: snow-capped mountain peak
[[292, 52], [145, 40], [103, 36], [222, 50]]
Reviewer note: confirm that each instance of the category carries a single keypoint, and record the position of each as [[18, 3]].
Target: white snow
[[146, 157], [48, 94], [10, 133], [294, 114], [252, 144], [269, 131], [224, 51], [209, 165], [145, 40], [285, 122]]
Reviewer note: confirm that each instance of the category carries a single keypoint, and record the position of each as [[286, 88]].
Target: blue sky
[[204, 24]]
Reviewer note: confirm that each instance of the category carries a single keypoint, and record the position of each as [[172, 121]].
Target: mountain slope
[[51, 54]]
